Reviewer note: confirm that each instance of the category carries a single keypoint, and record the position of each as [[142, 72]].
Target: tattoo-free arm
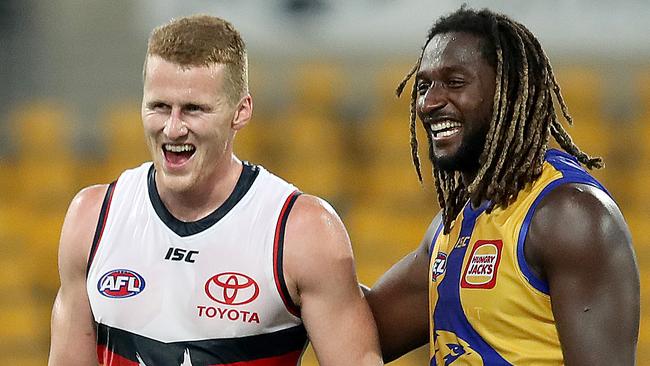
[[578, 241], [320, 273], [400, 301], [73, 339]]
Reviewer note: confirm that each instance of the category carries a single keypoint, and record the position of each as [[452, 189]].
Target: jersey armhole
[[538, 283], [101, 223], [435, 238], [278, 249]]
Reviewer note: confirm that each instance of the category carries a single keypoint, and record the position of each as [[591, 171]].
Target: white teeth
[[445, 133], [178, 148], [444, 128], [440, 126]]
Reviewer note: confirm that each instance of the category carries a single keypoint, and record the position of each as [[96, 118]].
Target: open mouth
[[445, 128], [178, 154]]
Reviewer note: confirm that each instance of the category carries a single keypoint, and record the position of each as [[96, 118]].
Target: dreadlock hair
[[523, 114]]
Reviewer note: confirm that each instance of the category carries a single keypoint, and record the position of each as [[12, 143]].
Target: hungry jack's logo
[[483, 265]]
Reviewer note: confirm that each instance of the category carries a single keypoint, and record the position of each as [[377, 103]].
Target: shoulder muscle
[[576, 222], [79, 228], [315, 242]]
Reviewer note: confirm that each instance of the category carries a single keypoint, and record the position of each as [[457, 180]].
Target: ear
[[243, 113]]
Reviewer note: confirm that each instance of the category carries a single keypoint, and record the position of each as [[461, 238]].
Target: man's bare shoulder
[[316, 245], [314, 221], [79, 227], [576, 221]]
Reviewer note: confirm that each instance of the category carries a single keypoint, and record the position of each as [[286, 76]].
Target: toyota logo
[[232, 288]]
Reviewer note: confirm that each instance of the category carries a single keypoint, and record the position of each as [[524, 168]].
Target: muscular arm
[[320, 274], [578, 241], [399, 301], [73, 334]]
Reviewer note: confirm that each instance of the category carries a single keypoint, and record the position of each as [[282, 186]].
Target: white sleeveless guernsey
[[209, 292]]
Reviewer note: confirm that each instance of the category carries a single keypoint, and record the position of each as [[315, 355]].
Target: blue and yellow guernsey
[[486, 305]]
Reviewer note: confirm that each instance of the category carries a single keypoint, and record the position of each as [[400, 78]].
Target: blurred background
[[322, 73]]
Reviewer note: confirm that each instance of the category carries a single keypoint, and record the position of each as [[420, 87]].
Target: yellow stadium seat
[[124, 142], [32, 358], [19, 322], [581, 87], [311, 154], [637, 170], [45, 165], [308, 141], [47, 185], [387, 79], [251, 142], [42, 131], [317, 85], [383, 234], [642, 88], [10, 186], [42, 248]]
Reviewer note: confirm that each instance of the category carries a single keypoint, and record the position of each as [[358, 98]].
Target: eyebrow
[[152, 103], [444, 70]]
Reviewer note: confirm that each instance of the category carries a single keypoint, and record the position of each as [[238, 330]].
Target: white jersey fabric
[[209, 292]]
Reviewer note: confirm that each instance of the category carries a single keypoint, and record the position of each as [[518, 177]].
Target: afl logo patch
[[120, 283], [481, 269], [232, 288], [439, 266]]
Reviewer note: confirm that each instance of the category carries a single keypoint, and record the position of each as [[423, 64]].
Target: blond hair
[[203, 40]]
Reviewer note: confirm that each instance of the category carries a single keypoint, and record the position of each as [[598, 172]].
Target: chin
[[459, 161], [445, 160], [446, 163], [177, 183]]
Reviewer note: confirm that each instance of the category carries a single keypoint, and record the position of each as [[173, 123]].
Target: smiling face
[[455, 86], [189, 122]]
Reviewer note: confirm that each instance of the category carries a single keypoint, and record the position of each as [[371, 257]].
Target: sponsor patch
[[481, 269], [439, 266], [120, 283], [232, 288]]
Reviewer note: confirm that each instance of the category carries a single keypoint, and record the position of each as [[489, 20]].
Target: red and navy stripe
[[278, 250], [101, 224], [117, 347]]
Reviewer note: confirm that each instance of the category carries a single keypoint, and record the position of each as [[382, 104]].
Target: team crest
[[482, 268], [454, 351]]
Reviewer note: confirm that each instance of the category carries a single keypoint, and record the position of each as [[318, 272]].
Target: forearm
[[345, 337], [73, 339], [400, 330], [399, 303]]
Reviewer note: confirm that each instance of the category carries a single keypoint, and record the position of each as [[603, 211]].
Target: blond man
[[198, 258]]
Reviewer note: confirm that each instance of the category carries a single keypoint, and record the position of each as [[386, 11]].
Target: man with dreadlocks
[[530, 261]]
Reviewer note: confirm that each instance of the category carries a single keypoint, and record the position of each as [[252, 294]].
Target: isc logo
[[180, 254], [120, 283]]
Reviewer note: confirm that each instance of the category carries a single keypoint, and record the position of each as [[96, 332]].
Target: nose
[[175, 128], [434, 99]]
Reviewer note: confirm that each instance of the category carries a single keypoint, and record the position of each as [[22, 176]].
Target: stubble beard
[[465, 159]]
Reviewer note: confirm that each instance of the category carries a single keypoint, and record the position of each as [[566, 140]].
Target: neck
[[468, 177], [205, 196]]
